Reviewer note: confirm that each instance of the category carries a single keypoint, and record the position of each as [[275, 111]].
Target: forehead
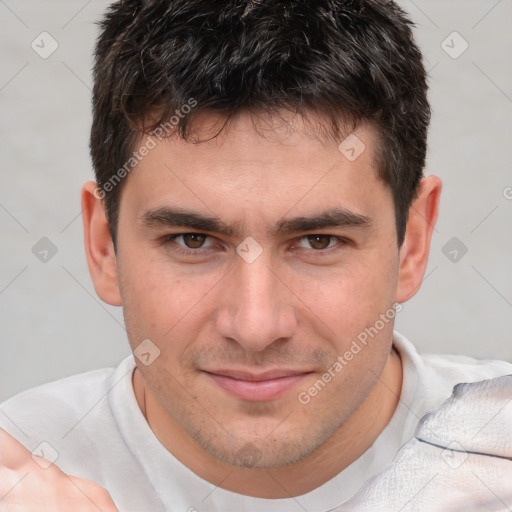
[[264, 166]]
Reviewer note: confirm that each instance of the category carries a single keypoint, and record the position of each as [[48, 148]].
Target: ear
[[99, 248], [420, 226]]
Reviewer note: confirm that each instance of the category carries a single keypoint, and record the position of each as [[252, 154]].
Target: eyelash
[[201, 252], [182, 250]]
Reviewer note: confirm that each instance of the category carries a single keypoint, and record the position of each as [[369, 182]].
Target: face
[[253, 262]]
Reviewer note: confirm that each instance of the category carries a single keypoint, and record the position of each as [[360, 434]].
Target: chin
[[256, 452]]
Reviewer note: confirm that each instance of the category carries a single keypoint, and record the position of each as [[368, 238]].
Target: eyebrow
[[167, 216], [172, 217], [332, 218]]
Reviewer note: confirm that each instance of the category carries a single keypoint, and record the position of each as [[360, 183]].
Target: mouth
[[252, 387]]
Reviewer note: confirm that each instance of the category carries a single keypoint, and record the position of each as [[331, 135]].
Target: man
[[260, 212]]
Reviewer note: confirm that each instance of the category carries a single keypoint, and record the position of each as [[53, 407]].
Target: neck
[[341, 449]]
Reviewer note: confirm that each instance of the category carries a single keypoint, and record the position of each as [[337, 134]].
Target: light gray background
[[52, 323]]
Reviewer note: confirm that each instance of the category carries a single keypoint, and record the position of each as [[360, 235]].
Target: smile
[[256, 388]]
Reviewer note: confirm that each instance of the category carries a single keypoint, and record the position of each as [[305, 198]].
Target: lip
[[252, 387]]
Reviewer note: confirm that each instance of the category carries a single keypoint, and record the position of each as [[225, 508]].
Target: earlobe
[[420, 226], [99, 249]]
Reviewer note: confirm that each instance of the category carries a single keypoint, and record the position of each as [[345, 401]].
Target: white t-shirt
[[92, 423]]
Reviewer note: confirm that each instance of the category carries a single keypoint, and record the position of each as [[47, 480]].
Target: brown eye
[[319, 241], [194, 240]]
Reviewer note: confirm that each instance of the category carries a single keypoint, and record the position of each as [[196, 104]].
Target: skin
[[295, 309], [28, 483]]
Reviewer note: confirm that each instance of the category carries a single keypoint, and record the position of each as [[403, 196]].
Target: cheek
[[161, 303], [350, 299]]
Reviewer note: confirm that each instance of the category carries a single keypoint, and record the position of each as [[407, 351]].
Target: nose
[[256, 308]]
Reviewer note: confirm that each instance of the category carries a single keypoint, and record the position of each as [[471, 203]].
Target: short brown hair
[[347, 59]]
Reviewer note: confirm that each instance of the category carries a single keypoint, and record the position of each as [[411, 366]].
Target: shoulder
[[449, 369], [476, 417], [57, 405], [459, 451], [475, 369], [76, 386], [429, 379]]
